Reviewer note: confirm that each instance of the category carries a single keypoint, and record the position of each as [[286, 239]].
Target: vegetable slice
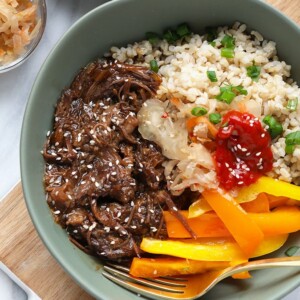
[[152, 37], [227, 52], [292, 104], [172, 266], [291, 140], [215, 118], [183, 30], [253, 72], [154, 66], [275, 128], [260, 205], [199, 111], [270, 186], [244, 230], [212, 76], [210, 249], [291, 251]]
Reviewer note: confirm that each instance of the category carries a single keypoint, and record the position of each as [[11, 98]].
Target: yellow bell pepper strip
[[210, 249], [172, 266], [198, 208], [270, 186], [281, 220], [260, 205], [243, 229]]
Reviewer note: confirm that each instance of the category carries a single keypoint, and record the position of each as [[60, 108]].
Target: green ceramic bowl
[[118, 23]]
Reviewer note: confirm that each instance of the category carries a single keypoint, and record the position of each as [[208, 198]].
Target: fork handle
[[265, 264]]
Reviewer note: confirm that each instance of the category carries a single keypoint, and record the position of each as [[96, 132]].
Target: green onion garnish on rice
[[212, 33], [212, 76], [215, 118], [199, 111], [227, 52], [253, 72], [229, 92], [275, 128], [183, 30], [152, 37], [228, 42], [154, 66], [291, 251], [171, 36], [292, 104], [291, 140]]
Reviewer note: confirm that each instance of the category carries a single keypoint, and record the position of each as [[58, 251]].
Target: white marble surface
[[14, 90]]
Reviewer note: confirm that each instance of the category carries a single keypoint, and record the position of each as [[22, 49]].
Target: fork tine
[[170, 281], [142, 290], [148, 283]]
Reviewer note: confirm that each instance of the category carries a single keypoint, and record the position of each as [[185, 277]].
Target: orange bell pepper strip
[[281, 220], [210, 249], [243, 229], [260, 205], [172, 266]]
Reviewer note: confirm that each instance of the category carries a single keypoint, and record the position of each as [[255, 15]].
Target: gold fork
[[187, 287]]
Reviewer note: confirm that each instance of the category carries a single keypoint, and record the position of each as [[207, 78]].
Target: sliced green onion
[[213, 44], [212, 33], [292, 104], [170, 36], [212, 76], [215, 118], [293, 138], [228, 42], [226, 96], [183, 30], [239, 90], [291, 251], [275, 128], [289, 149], [199, 111], [227, 52], [154, 66], [253, 72], [229, 92], [152, 37]]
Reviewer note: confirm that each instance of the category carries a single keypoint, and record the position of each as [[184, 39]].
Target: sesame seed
[[141, 165], [240, 182], [175, 208], [248, 154], [92, 226], [113, 173], [119, 214], [133, 227], [131, 203], [107, 229], [117, 227], [75, 231], [112, 242], [226, 165], [79, 138], [57, 212], [48, 133], [110, 164], [126, 219], [258, 154], [157, 178], [97, 184], [263, 135], [151, 210], [154, 229], [93, 179], [58, 158], [70, 197], [92, 142], [85, 226]]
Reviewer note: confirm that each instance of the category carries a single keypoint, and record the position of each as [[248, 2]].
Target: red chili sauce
[[243, 152]]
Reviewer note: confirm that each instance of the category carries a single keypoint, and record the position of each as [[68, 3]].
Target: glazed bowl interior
[[119, 23]]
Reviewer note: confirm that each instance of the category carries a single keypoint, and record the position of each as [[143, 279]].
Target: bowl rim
[[25, 130], [20, 60]]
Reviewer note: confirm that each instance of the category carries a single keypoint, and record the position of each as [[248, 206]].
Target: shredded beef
[[105, 184]]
